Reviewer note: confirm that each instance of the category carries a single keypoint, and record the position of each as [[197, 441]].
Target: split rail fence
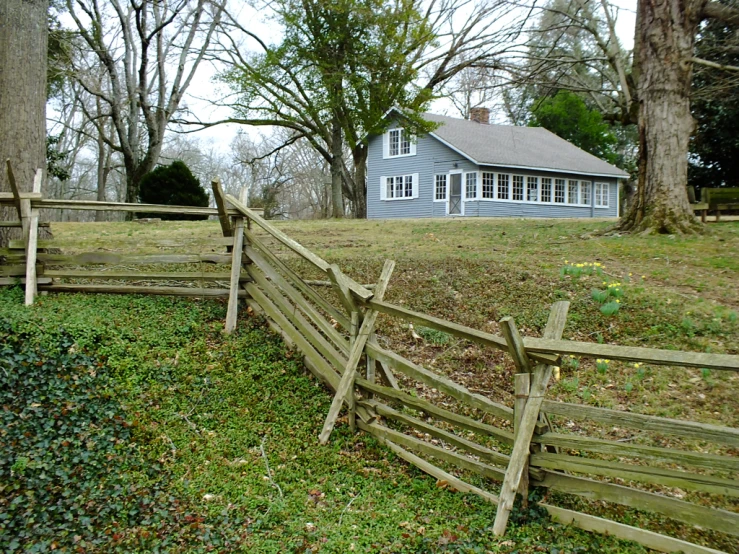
[[517, 446]]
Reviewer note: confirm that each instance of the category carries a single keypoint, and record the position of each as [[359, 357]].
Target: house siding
[[432, 158]]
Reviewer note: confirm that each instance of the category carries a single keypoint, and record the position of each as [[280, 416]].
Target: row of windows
[[504, 186]]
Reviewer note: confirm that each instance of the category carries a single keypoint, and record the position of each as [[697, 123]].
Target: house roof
[[524, 147]]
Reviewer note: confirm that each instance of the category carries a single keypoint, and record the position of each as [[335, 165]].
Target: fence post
[[345, 390], [32, 240], [345, 295], [221, 205], [233, 295], [353, 337], [530, 417], [522, 387]]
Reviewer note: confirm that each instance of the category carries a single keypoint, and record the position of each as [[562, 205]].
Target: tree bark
[[360, 181], [666, 35], [23, 50], [337, 159], [103, 170]]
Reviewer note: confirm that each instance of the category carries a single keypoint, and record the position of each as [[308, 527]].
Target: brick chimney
[[480, 115]]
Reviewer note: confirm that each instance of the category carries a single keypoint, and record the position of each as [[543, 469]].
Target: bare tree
[[287, 182], [150, 51], [472, 87]]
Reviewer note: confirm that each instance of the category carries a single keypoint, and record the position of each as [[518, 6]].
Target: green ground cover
[[191, 416], [131, 424]]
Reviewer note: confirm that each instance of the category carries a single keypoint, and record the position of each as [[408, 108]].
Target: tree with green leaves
[[566, 115], [342, 65]]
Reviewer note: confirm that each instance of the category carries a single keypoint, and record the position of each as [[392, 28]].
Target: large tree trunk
[[337, 159], [666, 34], [360, 181], [23, 49]]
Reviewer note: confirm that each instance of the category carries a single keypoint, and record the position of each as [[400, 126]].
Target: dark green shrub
[[173, 185]]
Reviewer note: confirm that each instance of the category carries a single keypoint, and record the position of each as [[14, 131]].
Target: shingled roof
[[524, 147]]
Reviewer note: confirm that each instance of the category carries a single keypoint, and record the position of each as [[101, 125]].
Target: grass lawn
[[194, 417]]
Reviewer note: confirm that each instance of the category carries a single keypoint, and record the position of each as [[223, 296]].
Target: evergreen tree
[[566, 115], [715, 108], [173, 185]]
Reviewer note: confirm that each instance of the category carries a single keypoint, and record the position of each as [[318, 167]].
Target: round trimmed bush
[[173, 185]]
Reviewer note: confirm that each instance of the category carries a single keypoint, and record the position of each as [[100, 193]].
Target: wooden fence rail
[[517, 446], [324, 333]]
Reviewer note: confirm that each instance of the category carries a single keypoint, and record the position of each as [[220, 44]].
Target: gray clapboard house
[[471, 168]]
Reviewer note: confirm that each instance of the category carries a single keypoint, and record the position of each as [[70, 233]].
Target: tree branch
[[722, 12], [714, 65]]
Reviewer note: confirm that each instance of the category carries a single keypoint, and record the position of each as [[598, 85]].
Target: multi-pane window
[[559, 191], [518, 187], [573, 189], [440, 187], [400, 186], [503, 186], [601, 195], [546, 189], [585, 192], [527, 188], [399, 143], [532, 189], [488, 185], [470, 186]]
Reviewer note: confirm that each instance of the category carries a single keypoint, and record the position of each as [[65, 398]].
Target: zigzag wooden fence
[[516, 446]]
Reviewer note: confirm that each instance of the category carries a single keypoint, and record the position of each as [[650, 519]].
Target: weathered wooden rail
[[516, 446]]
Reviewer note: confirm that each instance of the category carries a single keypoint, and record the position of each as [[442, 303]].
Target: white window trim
[[541, 191], [538, 189], [478, 186], [586, 185], [564, 191], [446, 188], [523, 187], [510, 186], [386, 145], [568, 200], [607, 196], [414, 187], [495, 187]]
